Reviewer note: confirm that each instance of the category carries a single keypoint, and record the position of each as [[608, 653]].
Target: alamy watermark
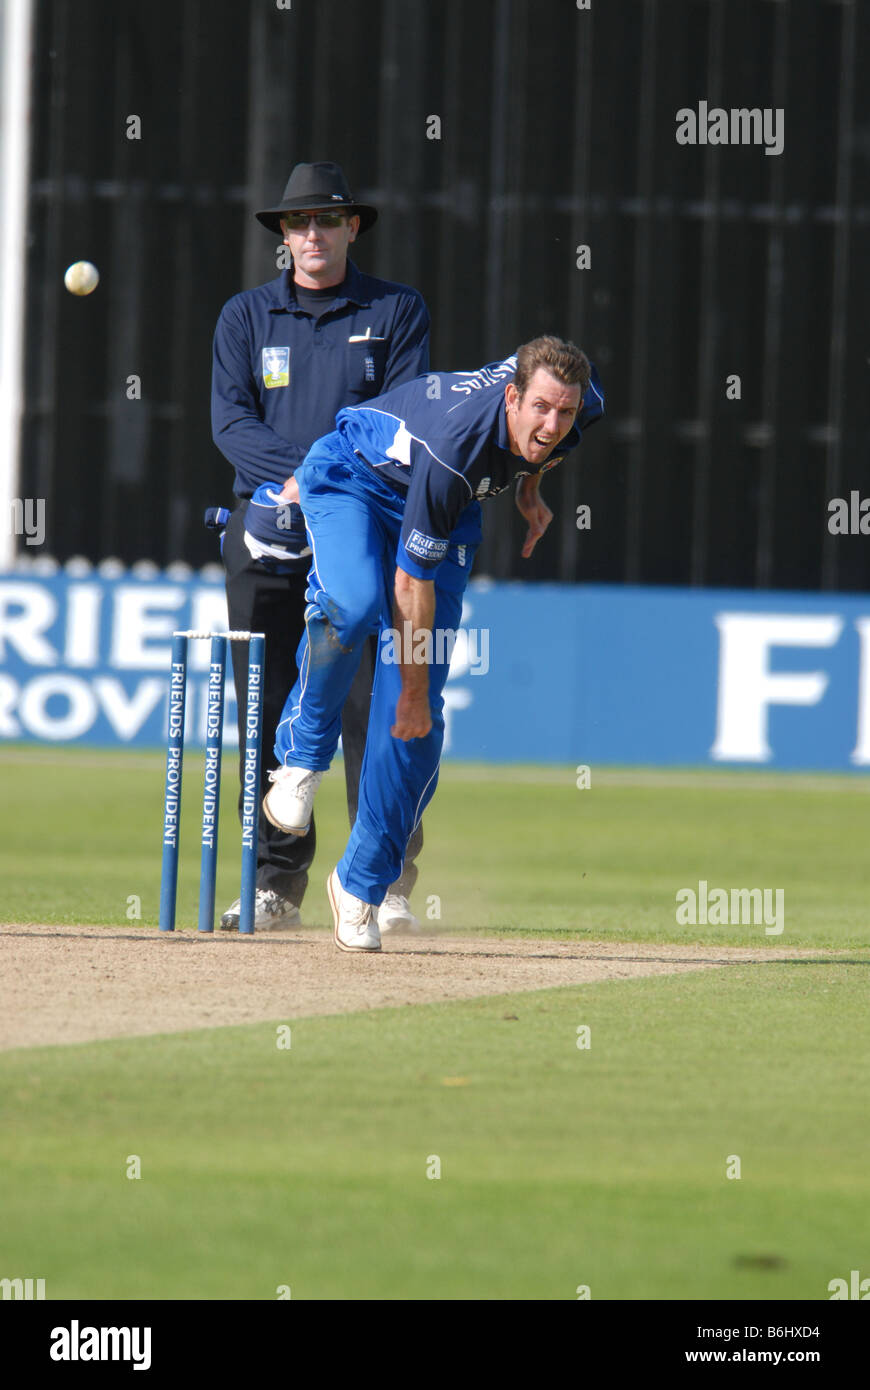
[[856, 1288], [720, 907], [849, 518], [26, 1289], [714, 125], [427, 647], [77, 1343], [27, 518]]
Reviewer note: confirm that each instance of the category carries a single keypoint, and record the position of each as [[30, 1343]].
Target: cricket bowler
[[391, 501]]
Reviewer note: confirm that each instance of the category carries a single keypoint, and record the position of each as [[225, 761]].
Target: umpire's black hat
[[315, 188]]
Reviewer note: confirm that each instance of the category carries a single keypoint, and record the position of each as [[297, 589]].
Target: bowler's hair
[[562, 360]]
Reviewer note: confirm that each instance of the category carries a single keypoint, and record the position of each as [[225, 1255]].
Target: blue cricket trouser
[[354, 520]]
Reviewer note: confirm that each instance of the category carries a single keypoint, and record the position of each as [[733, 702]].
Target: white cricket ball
[[81, 278]]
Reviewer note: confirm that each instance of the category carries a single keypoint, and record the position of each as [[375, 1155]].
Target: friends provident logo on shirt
[[425, 547]]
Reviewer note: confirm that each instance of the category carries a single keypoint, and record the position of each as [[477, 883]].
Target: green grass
[[510, 849], [559, 1167]]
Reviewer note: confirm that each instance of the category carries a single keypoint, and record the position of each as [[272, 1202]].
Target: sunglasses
[[298, 221]]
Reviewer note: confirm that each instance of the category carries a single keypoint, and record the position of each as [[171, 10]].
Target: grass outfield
[[605, 1167], [560, 1167], [509, 849]]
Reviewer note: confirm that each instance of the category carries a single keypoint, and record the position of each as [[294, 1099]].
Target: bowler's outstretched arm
[[414, 603]]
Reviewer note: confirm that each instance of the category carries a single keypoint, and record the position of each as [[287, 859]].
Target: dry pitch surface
[[75, 984]]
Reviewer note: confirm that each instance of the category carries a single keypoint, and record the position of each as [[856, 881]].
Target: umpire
[[287, 357]]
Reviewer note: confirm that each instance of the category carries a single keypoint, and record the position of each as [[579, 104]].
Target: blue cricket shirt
[[443, 441]]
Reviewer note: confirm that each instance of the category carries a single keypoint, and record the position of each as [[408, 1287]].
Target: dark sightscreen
[[557, 131]]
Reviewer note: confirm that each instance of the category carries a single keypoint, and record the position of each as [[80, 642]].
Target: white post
[[16, 29]]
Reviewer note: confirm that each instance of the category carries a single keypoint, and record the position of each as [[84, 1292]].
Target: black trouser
[[261, 601]]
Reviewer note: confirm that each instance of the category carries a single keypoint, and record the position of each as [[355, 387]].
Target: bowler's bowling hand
[[413, 717], [290, 490], [536, 512]]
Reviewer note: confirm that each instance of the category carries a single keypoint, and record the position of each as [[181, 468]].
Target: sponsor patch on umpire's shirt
[[425, 547], [276, 367]]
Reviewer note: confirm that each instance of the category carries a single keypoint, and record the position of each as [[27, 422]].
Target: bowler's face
[[320, 253], [541, 418]]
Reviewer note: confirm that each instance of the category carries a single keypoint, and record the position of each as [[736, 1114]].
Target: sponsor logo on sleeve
[[425, 547]]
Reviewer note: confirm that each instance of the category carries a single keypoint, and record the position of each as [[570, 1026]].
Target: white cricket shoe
[[288, 805], [355, 925], [395, 915], [271, 913]]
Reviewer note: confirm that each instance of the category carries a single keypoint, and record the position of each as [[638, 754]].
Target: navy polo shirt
[[280, 373], [443, 441]]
